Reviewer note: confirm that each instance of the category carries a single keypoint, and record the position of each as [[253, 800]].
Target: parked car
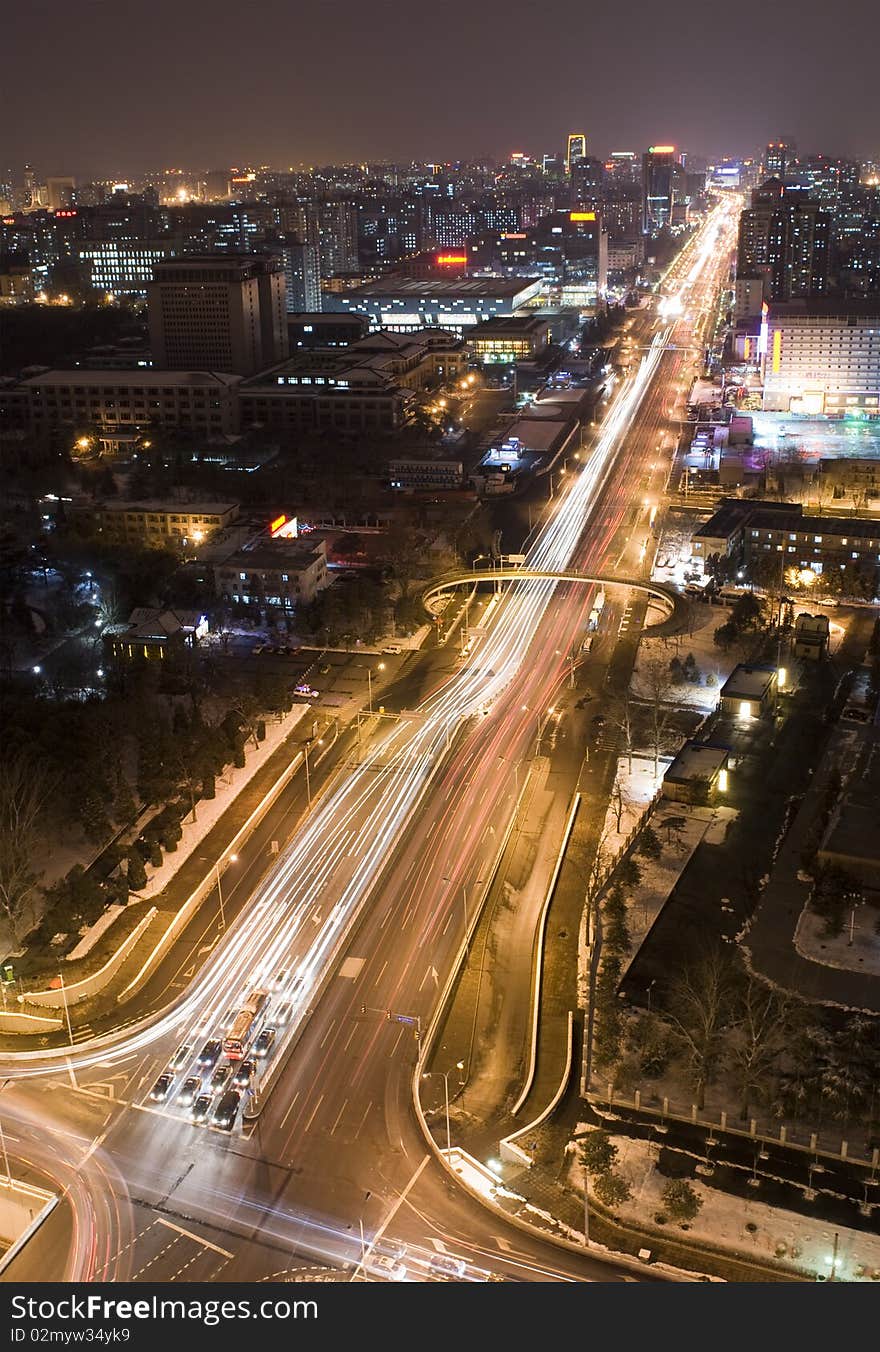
[[383, 1265], [393, 649], [447, 1265]]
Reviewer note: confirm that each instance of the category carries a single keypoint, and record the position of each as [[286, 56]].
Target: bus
[[243, 1025]]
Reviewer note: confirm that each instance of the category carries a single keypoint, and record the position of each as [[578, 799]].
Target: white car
[[393, 649], [447, 1265], [386, 1267]]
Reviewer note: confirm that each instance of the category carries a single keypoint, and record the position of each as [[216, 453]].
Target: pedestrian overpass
[[675, 605]]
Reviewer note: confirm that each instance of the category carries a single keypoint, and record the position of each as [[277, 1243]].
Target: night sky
[[117, 86]]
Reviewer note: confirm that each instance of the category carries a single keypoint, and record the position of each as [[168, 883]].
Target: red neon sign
[[450, 259]]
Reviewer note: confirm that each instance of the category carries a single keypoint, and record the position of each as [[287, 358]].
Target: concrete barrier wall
[[20, 1206], [13, 1022], [81, 990]]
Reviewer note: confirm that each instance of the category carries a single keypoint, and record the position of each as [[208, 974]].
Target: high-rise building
[[218, 312], [333, 227], [659, 167], [779, 158], [60, 193], [576, 149], [785, 238], [302, 272]]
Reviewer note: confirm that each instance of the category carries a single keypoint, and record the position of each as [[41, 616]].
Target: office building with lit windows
[[122, 267], [219, 312], [403, 304], [660, 168], [823, 357]]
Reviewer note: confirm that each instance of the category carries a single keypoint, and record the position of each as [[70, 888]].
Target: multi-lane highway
[[360, 919]]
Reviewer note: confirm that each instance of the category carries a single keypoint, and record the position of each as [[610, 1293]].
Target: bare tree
[[657, 682], [618, 804], [24, 790], [759, 1036], [620, 715], [700, 1007]]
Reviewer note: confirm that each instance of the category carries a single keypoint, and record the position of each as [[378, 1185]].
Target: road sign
[[6, 973]]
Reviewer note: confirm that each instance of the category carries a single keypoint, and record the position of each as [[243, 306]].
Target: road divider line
[[539, 953], [188, 1234]]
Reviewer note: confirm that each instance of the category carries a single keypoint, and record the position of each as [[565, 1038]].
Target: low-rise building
[[698, 774], [169, 525], [404, 304], [811, 636], [748, 691], [369, 385], [823, 357], [126, 402], [152, 633], [509, 338], [411, 475], [279, 572]]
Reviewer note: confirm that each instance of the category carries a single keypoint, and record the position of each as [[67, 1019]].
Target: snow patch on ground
[[857, 949], [209, 810], [797, 1242]]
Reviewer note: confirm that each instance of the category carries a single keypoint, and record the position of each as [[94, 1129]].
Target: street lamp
[[426, 1074], [380, 667], [233, 858]]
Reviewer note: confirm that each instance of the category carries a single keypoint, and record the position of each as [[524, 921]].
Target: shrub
[[612, 1189], [137, 874], [680, 1200]]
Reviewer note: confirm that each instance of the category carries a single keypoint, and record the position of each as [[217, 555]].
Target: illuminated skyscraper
[[575, 150], [659, 167]]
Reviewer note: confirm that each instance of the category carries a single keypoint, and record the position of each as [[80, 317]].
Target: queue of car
[[213, 1085]]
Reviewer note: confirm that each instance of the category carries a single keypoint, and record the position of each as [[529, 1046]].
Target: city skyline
[[446, 91]]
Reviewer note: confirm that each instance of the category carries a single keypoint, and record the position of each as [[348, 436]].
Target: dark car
[[210, 1053], [180, 1057], [264, 1042], [189, 1091], [244, 1074], [597, 721], [227, 1110], [220, 1076], [161, 1088], [201, 1108]]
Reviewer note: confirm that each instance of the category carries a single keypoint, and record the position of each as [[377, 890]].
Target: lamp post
[[3, 1144], [426, 1074], [233, 858]]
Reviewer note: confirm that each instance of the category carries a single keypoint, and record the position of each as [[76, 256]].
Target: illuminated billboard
[[582, 215], [449, 260]]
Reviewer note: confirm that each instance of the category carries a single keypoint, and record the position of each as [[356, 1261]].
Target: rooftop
[[130, 379], [747, 682], [502, 325], [697, 761], [731, 513], [440, 287], [825, 309]]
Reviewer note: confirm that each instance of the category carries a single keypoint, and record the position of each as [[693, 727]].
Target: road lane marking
[[314, 1114], [364, 1118], [379, 977], [330, 1028], [290, 1109], [206, 1243], [354, 1029], [96, 1144], [336, 1123]]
